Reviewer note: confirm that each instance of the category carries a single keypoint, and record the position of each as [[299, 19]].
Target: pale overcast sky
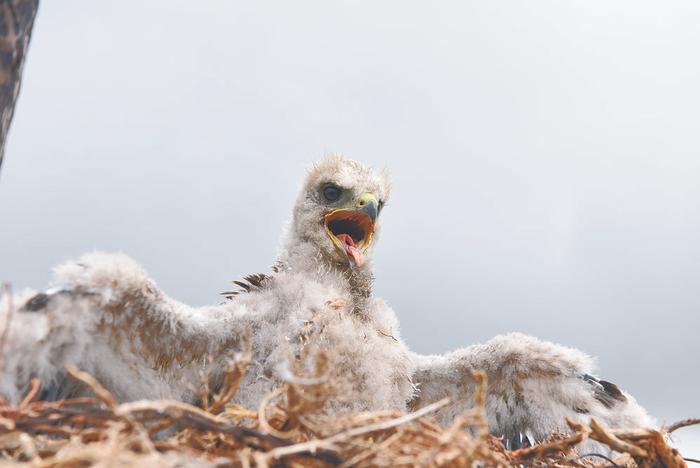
[[545, 159]]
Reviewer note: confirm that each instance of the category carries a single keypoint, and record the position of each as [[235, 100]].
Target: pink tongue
[[353, 252]]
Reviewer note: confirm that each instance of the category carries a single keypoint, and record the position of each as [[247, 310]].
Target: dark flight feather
[[256, 281], [605, 392]]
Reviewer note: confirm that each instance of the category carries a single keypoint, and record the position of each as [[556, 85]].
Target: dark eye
[[332, 192], [381, 205]]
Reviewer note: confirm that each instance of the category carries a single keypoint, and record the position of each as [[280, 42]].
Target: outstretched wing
[[533, 386], [107, 317]]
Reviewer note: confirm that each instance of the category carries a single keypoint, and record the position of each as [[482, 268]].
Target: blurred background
[[545, 159]]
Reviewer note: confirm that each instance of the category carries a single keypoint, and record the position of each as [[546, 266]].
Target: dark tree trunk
[[16, 21]]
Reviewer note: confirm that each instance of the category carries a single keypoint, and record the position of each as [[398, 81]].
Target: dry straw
[[289, 429]]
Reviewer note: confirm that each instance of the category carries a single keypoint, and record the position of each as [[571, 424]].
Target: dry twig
[[285, 430]]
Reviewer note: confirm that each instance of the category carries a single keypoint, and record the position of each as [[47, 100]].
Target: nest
[[289, 429]]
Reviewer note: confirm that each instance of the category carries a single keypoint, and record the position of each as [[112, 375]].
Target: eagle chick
[[105, 315]]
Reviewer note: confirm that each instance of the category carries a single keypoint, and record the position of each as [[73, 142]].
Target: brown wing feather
[[16, 21], [605, 392], [256, 281]]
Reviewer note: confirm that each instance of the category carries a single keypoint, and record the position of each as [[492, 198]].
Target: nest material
[[289, 429]]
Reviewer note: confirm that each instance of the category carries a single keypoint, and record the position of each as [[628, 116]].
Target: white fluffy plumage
[[106, 316]]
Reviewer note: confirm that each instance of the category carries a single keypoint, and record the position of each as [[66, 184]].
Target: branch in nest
[[558, 446], [681, 424], [94, 385], [33, 392], [329, 442], [601, 434]]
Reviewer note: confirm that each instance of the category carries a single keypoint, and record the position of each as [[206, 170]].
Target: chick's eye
[[331, 192]]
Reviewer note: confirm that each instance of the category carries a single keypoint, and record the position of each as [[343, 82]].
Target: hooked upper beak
[[367, 203]]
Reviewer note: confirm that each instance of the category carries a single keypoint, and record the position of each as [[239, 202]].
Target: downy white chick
[[106, 316]]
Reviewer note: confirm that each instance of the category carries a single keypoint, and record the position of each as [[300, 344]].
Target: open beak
[[351, 229]]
